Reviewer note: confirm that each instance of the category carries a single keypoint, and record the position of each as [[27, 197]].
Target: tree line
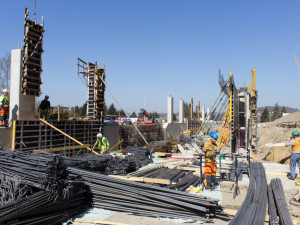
[[80, 111], [267, 116]]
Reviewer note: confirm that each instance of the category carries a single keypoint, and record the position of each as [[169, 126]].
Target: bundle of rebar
[[280, 203], [253, 209], [105, 163], [39, 208], [41, 170], [139, 151], [180, 179], [139, 198]]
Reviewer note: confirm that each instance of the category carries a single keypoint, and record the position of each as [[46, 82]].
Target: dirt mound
[[293, 117], [269, 133]]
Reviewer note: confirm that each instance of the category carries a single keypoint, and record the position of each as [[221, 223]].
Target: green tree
[[121, 113], [174, 117], [283, 110], [82, 110], [112, 110], [186, 110], [264, 115], [276, 113], [133, 114], [155, 115]]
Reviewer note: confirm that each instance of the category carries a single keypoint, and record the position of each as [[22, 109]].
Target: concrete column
[[170, 109], [203, 114], [208, 113], [20, 106], [180, 111]]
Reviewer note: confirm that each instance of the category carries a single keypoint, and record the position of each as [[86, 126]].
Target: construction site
[[209, 165]]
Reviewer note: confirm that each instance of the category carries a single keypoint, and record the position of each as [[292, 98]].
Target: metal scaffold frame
[[32, 56]]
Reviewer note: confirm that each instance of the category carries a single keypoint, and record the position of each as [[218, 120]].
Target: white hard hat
[[99, 135], [5, 90]]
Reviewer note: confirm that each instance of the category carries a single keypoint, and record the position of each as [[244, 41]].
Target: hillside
[[270, 109]]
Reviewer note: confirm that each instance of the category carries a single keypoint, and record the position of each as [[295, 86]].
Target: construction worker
[[4, 103], [295, 156], [44, 108], [103, 144], [210, 167]]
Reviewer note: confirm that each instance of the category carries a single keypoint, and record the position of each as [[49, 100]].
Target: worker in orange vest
[[4, 103], [210, 167], [295, 156]]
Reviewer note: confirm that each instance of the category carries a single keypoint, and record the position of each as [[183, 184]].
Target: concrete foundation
[[174, 129], [6, 135], [22, 107], [112, 135]]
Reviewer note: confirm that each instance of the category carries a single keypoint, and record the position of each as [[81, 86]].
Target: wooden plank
[[188, 168], [276, 173], [79, 220], [143, 179], [163, 154]]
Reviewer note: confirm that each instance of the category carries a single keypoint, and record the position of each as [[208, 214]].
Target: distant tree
[[112, 110], [5, 71], [154, 114], [82, 110], [133, 114], [276, 113], [186, 110], [121, 113], [264, 115], [283, 110], [77, 112], [174, 117]]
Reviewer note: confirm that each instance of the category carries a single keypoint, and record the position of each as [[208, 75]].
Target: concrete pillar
[[180, 111], [20, 106], [170, 109], [208, 113], [203, 114]]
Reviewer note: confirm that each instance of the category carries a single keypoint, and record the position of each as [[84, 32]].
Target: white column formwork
[[20, 106], [203, 114], [208, 113], [181, 111], [170, 109]]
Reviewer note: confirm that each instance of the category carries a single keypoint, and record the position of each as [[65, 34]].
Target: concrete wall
[[111, 132], [174, 129], [22, 107], [6, 137]]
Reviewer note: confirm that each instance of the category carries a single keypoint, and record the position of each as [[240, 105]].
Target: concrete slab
[[6, 137]]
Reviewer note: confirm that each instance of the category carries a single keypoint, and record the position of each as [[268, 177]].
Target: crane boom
[[297, 62]]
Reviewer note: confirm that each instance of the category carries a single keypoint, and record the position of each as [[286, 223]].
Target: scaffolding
[[32, 56], [93, 77]]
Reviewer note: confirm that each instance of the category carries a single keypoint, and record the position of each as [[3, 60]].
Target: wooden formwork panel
[[35, 135]]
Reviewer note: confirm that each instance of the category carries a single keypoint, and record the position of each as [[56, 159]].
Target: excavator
[[143, 114]]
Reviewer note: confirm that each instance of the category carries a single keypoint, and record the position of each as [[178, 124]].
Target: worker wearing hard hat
[[210, 167], [103, 144], [295, 156], [4, 104], [44, 108]]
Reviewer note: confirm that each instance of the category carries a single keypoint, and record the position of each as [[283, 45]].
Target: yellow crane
[[296, 61]]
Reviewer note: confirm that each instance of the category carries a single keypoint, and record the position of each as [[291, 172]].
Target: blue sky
[[153, 49]]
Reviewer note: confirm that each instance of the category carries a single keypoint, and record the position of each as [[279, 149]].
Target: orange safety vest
[[296, 147]]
